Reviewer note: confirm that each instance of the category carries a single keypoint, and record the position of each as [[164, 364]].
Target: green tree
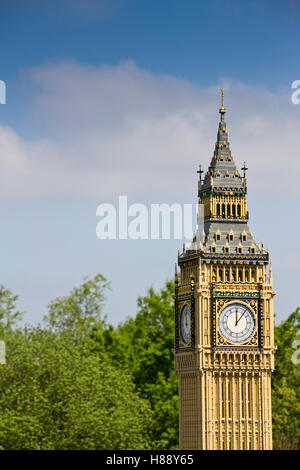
[[78, 312], [56, 394], [143, 346], [9, 313], [286, 386]]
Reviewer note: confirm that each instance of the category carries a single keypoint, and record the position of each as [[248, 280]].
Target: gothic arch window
[[220, 274], [228, 210], [240, 275], [218, 210], [233, 210], [223, 210], [234, 275], [247, 275], [238, 210], [227, 275]]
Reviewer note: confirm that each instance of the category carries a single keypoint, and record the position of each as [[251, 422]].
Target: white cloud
[[13, 155], [124, 130]]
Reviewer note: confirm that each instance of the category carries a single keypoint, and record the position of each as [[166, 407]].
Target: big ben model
[[224, 351]]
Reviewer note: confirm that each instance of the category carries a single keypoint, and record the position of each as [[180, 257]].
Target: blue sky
[[116, 97], [251, 40]]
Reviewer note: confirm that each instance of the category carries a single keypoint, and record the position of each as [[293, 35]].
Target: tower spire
[[222, 167]]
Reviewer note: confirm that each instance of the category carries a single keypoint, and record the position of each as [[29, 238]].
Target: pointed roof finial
[[200, 171], [244, 169], [270, 273], [222, 110], [176, 275]]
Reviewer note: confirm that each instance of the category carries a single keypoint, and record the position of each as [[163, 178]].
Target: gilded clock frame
[[219, 301], [179, 304]]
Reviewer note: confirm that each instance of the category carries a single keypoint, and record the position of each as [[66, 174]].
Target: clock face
[[185, 324], [236, 322]]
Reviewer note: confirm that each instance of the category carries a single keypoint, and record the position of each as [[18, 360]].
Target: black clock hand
[[241, 316], [236, 315]]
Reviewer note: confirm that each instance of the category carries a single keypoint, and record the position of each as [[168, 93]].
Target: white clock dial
[[237, 322], [185, 324]]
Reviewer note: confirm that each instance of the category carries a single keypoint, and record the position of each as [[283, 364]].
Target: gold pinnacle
[[222, 109]]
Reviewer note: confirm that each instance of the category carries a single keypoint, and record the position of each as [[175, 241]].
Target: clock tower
[[224, 344]]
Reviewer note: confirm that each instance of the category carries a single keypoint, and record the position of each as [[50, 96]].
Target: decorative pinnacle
[[222, 109], [270, 273], [200, 171], [244, 169]]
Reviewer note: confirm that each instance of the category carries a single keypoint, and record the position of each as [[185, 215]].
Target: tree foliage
[[9, 313], [55, 394], [78, 312], [286, 386], [143, 345]]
